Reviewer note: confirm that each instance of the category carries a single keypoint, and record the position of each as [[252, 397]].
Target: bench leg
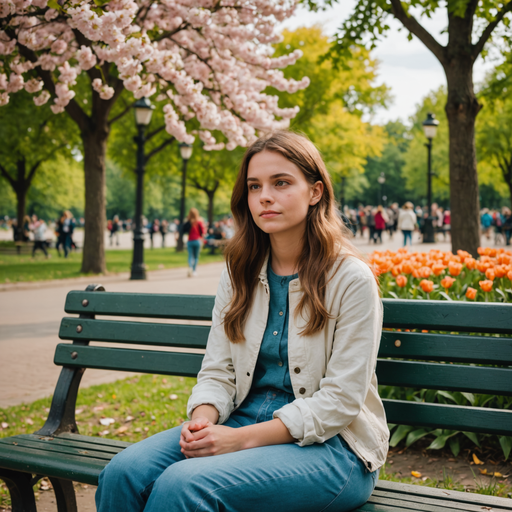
[[64, 494], [20, 487]]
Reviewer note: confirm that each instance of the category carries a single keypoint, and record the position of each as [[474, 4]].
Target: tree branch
[[414, 27], [33, 171], [154, 132], [164, 144], [486, 34], [119, 116], [7, 176]]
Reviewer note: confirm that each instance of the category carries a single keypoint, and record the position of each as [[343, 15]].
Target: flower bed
[[443, 275]]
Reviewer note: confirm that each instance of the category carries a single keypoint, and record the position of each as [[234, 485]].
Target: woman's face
[[279, 195]]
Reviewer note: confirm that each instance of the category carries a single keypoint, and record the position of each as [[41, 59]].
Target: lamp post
[[430, 129], [186, 153], [381, 179], [143, 111]]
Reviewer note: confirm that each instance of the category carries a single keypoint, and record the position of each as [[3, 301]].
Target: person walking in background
[[194, 226], [507, 224], [154, 227], [370, 222], [380, 223], [114, 230], [65, 227], [39, 230], [486, 221], [447, 223], [407, 222], [164, 227]]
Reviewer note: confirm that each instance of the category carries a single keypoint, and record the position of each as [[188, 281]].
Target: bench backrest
[[474, 361]]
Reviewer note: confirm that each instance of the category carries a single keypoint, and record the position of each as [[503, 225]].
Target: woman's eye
[[280, 183], [252, 187]]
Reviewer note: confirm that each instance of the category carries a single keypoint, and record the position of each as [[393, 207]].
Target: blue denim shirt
[[272, 366]]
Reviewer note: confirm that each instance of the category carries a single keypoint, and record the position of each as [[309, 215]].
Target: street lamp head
[[430, 126], [143, 111], [185, 150], [382, 178]]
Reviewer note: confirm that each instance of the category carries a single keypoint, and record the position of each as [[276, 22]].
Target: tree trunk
[[210, 194], [95, 147], [21, 198], [462, 108]]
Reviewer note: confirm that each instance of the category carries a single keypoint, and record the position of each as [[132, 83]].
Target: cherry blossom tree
[[206, 62]]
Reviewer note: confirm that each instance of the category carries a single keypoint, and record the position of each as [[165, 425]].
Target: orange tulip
[[509, 274], [438, 268], [447, 282], [426, 285], [463, 255], [481, 251], [415, 273], [482, 266], [471, 293], [500, 271], [470, 263], [396, 270], [485, 285], [406, 267], [489, 273], [454, 268], [424, 272], [401, 281]]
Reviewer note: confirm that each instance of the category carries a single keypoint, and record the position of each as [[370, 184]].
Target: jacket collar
[[263, 273]]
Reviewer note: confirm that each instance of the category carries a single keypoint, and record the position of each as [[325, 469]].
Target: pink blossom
[[51, 14], [15, 83], [106, 92], [59, 47], [4, 98], [42, 98], [33, 85], [86, 58]]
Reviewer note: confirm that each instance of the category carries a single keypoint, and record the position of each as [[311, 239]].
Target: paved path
[[30, 315]]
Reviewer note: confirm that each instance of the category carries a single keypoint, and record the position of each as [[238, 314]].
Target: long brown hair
[[323, 240], [193, 215]]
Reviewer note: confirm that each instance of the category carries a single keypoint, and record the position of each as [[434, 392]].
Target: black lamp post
[[381, 179], [143, 111], [430, 129], [186, 153]]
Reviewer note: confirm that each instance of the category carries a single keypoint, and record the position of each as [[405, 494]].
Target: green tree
[[471, 25], [494, 129], [31, 137], [332, 107]]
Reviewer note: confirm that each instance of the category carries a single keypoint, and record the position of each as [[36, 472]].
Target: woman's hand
[[195, 425], [211, 440]]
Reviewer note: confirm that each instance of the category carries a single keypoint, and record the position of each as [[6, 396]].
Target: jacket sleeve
[[344, 387], [216, 379]]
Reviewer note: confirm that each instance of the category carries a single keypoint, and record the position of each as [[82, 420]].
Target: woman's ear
[[317, 191]]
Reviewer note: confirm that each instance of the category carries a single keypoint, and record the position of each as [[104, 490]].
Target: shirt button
[[275, 333], [302, 391], [297, 370], [281, 313], [280, 363]]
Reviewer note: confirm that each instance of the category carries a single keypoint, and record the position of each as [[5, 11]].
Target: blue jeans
[[193, 248], [154, 476], [407, 236]]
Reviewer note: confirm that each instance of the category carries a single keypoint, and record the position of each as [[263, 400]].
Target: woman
[[285, 414], [407, 222], [196, 230], [380, 223]]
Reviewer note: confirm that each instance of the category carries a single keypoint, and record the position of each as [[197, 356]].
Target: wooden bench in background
[[481, 364]]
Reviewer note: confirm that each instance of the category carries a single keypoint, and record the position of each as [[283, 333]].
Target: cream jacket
[[332, 372]]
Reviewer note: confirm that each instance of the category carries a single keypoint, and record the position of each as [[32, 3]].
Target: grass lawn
[[14, 268], [140, 406]]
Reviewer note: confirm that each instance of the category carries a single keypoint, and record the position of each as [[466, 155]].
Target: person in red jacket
[[196, 230], [380, 223]]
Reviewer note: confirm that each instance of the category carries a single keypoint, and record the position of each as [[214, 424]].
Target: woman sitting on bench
[[285, 415]]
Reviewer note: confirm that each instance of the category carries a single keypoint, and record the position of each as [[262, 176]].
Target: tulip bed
[[442, 275]]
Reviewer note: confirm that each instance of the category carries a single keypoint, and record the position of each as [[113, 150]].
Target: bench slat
[[439, 504], [88, 444], [142, 333], [489, 317], [452, 417], [48, 448], [68, 467], [418, 505], [376, 507], [148, 305], [445, 376], [129, 360], [446, 347], [445, 494]]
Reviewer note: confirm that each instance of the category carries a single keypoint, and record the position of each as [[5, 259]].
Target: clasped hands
[[202, 438]]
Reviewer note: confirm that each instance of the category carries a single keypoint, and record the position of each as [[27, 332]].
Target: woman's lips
[[269, 215]]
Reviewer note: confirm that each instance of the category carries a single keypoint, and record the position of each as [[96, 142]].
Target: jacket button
[[302, 391], [248, 374], [297, 370]]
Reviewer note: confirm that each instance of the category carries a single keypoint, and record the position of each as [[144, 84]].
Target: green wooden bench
[[411, 359]]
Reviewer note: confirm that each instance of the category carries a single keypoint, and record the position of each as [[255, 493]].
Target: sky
[[407, 67]]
